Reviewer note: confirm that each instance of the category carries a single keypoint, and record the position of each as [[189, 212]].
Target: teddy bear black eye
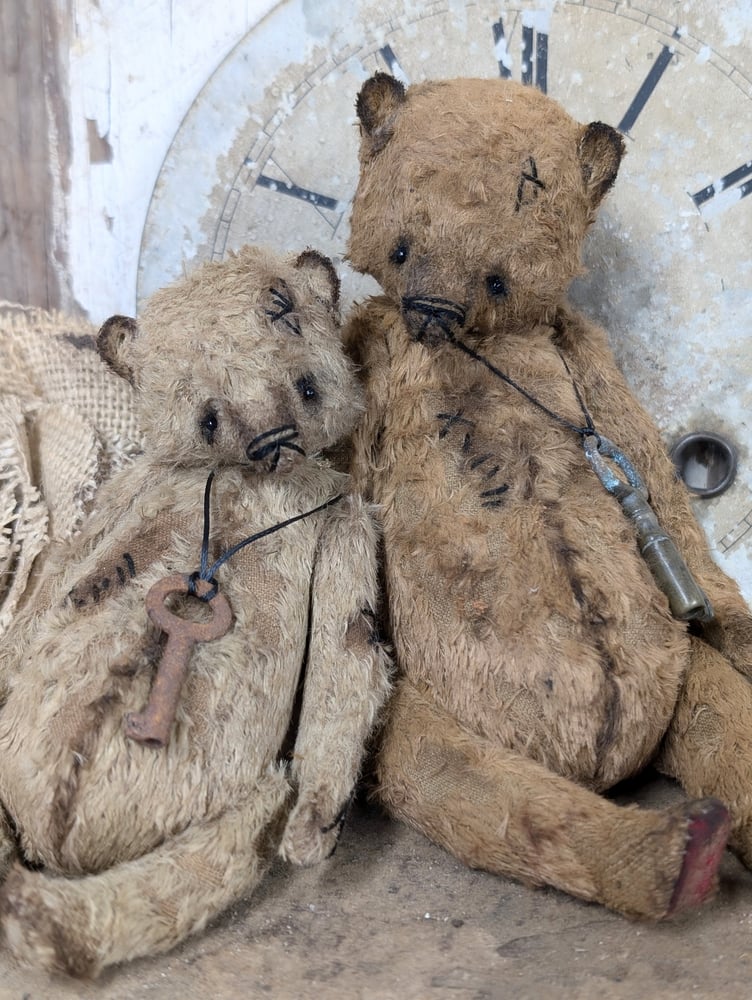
[[307, 389], [400, 253], [496, 286], [209, 424]]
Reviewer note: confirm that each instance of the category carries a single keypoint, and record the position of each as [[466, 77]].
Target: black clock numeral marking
[[535, 57], [534, 54], [287, 187], [501, 50], [331, 210], [387, 54], [647, 87], [726, 191]]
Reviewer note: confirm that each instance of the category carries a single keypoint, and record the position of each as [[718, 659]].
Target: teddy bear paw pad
[[707, 832]]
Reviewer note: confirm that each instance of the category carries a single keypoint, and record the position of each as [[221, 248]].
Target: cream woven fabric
[[66, 423]]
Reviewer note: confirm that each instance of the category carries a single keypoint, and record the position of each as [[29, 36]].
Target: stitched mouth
[[270, 444], [429, 315]]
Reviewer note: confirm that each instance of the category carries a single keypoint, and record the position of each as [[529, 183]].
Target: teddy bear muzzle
[[432, 318], [276, 450]]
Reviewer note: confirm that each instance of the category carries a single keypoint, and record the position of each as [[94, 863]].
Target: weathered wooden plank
[[32, 109]]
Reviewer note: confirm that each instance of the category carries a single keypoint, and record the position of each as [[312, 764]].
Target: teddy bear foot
[[707, 833], [33, 934], [311, 835]]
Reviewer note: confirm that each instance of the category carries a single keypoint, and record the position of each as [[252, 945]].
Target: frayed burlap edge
[[66, 424], [23, 513]]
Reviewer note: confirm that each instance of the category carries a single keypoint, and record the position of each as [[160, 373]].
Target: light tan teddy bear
[[147, 823], [550, 640]]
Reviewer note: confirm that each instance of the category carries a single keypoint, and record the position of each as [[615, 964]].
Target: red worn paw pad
[[707, 832]]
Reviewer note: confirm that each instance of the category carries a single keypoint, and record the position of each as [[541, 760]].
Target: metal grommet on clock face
[[706, 463]]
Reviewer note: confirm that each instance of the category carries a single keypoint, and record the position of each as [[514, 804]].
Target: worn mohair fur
[[538, 662], [139, 847]]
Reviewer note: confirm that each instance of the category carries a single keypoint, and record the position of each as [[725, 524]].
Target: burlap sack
[[66, 423]]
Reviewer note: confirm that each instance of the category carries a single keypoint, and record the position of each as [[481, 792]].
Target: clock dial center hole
[[706, 462]]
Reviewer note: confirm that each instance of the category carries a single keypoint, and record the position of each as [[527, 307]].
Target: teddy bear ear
[[601, 149], [113, 343], [378, 102], [324, 279]]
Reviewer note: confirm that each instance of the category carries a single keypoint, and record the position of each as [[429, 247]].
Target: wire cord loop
[[207, 572]]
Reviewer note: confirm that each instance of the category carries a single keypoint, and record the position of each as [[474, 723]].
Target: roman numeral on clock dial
[[534, 51], [323, 203], [295, 191], [726, 191]]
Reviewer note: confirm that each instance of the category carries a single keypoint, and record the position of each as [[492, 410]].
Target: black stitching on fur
[[529, 176], [284, 309], [272, 442], [450, 419], [433, 311]]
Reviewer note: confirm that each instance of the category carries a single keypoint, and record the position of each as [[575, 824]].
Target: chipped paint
[[135, 70]]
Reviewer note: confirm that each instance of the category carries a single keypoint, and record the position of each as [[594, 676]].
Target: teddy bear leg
[[497, 810], [708, 746], [142, 907]]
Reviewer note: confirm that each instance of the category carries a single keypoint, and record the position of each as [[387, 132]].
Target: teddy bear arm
[[368, 348], [347, 680], [79, 578], [730, 630], [619, 414], [148, 905], [121, 557]]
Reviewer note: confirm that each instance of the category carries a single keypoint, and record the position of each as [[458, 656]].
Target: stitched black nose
[[269, 445], [431, 317]]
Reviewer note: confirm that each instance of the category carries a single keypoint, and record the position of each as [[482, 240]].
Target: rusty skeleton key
[[152, 726]]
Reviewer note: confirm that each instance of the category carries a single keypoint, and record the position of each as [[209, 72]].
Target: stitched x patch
[[530, 185]]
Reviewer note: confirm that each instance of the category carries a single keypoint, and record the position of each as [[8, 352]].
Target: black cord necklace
[[206, 572], [589, 427], [686, 598]]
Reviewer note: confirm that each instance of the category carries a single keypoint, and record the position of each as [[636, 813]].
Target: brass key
[[152, 726]]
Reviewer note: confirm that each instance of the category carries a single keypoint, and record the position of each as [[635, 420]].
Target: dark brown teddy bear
[[540, 660], [238, 371]]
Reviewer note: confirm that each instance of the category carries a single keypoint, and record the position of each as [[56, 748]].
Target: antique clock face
[[268, 154]]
